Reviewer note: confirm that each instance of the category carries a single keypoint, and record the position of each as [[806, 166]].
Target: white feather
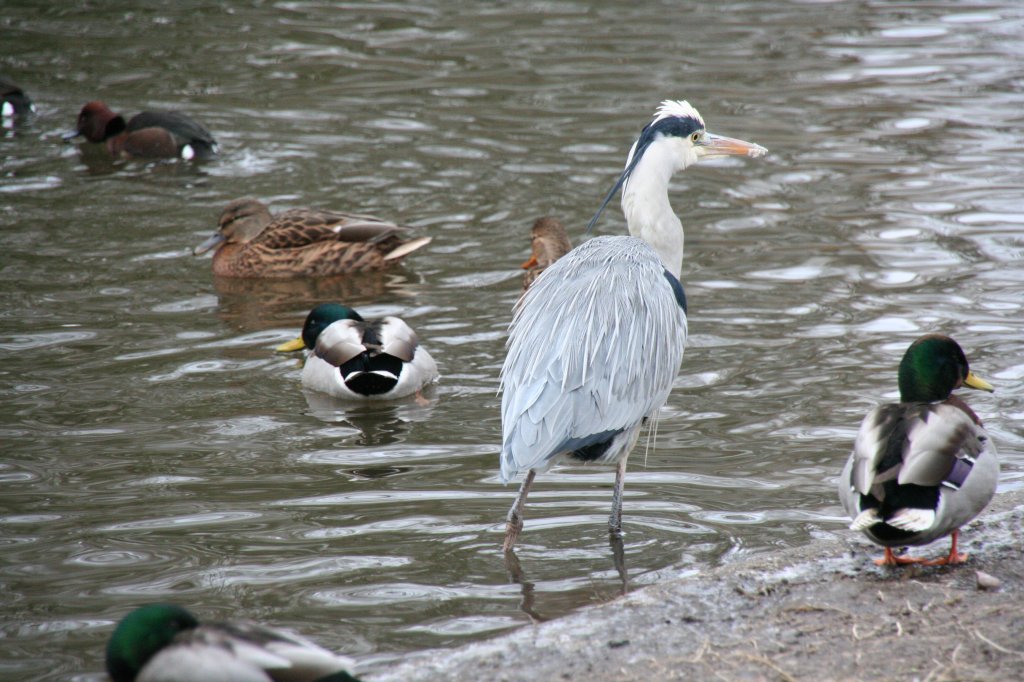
[[187, 663], [680, 108], [912, 520], [866, 519]]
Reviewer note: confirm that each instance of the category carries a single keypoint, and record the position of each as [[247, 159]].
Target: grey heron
[[924, 466], [597, 340]]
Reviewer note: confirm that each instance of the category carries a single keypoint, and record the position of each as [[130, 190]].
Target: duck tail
[[405, 248]]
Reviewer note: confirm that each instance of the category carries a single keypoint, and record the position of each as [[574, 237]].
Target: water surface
[[155, 448]]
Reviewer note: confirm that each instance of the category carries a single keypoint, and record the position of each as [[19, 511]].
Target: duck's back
[[928, 456], [311, 243]]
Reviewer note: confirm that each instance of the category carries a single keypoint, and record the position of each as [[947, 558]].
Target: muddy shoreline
[[822, 612]]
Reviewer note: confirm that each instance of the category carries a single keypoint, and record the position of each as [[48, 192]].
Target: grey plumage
[[597, 357]]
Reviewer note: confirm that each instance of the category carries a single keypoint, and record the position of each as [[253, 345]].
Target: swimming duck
[[356, 359], [13, 100], [302, 242], [161, 642], [150, 134], [548, 243], [924, 466]]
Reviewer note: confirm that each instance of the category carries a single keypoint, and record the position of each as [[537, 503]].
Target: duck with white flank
[[923, 467]]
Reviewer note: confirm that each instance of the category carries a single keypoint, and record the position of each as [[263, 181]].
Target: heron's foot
[[513, 528]]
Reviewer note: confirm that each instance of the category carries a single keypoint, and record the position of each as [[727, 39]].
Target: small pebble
[[986, 581]]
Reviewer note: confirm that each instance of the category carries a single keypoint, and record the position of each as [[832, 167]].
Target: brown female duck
[[302, 242], [548, 242]]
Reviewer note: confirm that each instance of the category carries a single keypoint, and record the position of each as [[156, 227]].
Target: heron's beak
[[70, 135], [289, 346], [715, 146], [973, 381], [213, 241]]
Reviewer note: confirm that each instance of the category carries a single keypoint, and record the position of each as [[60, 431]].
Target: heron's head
[[677, 138]]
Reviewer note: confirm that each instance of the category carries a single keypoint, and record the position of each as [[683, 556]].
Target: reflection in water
[[514, 569], [257, 304], [376, 423], [619, 559], [528, 591]]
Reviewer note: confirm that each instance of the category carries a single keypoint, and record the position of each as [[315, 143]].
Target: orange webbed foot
[[890, 559], [954, 557], [951, 560]]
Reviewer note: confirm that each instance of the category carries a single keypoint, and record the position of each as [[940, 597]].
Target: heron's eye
[[695, 138]]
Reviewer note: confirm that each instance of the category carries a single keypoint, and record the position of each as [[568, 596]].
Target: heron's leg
[[515, 514], [615, 520], [619, 559]]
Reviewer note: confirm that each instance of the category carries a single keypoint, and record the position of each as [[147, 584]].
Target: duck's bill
[[717, 145], [289, 346], [973, 381], [213, 241], [529, 263]]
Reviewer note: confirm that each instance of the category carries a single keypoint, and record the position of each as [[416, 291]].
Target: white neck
[[645, 204]]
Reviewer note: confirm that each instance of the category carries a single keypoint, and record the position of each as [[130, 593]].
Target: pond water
[[156, 449]]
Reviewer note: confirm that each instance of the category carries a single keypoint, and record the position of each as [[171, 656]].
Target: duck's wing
[[342, 341], [397, 338], [282, 655], [299, 228], [942, 434], [913, 443], [182, 126]]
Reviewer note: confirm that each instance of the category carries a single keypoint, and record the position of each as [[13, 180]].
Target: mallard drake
[[160, 642], [924, 466], [356, 359], [548, 243], [150, 134], [302, 242]]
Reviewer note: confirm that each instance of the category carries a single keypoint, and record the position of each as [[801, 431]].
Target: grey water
[[155, 448]]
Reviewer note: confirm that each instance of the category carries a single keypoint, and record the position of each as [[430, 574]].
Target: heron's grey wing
[[593, 348]]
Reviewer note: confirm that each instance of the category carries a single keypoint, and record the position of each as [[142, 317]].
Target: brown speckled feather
[[305, 242], [548, 243]]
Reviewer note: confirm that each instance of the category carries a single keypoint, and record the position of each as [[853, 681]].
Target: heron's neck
[[648, 213]]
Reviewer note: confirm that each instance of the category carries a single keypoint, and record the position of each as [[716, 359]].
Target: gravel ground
[[822, 612]]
